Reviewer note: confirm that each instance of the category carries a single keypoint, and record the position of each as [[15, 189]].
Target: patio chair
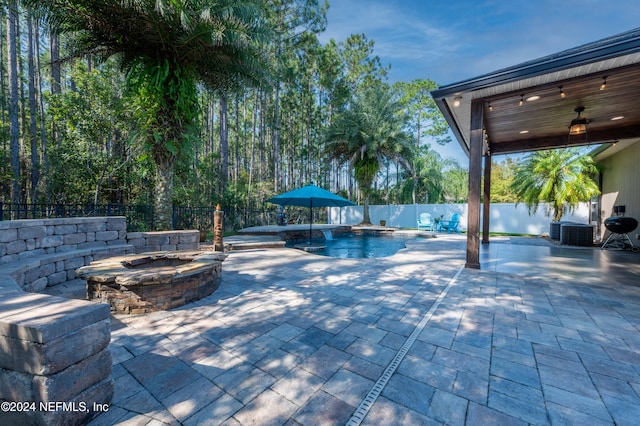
[[451, 225], [425, 222]]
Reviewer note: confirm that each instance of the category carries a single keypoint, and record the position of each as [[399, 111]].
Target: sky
[[449, 41]]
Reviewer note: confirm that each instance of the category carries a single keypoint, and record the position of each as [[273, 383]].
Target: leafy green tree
[[12, 66], [301, 114], [502, 175], [561, 177], [456, 183], [331, 70], [370, 130], [433, 179], [293, 20], [424, 181], [167, 47], [93, 149], [426, 118], [361, 66]]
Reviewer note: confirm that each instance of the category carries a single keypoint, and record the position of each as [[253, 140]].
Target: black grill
[[619, 237], [621, 225]]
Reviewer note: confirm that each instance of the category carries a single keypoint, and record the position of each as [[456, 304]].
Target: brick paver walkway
[[542, 335]]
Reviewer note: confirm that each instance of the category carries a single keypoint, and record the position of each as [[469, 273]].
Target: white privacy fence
[[505, 217]]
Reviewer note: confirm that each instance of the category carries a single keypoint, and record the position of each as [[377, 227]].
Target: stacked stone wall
[[37, 254], [144, 242], [55, 365], [23, 239]]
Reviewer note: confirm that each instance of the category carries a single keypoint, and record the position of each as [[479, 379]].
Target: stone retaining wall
[[54, 363], [21, 239], [164, 241], [38, 254]]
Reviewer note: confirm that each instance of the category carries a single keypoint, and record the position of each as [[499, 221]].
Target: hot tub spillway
[[150, 282]]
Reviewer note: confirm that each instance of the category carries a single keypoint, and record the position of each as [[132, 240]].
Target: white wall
[[507, 218], [620, 180]]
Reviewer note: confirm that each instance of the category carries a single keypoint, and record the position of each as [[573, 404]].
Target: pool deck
[[540, 335]]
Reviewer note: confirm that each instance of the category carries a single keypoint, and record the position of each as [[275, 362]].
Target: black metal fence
[[201, 217], [141, 217]]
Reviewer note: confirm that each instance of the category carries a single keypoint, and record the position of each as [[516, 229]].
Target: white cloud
[[458, 39], [397, 33]]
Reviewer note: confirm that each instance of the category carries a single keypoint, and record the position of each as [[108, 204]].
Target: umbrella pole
[[311, 218]]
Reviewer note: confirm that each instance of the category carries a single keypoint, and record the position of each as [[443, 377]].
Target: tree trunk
[[54, 40], [12, 18], [414, 196], [167, 151], [252, 158], [56, 80], [211, 118], [276, 137], [33, 125], [224, 145], [43, 132], [366, 219], [3, 92], [307, 124], [262, 135], [163, 202], [236, 161], [557, 212], [414, 188]]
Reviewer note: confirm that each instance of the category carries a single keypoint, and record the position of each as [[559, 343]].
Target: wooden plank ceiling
[[544, 123]]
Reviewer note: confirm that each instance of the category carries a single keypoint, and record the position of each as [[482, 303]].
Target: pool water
[[360, 246]]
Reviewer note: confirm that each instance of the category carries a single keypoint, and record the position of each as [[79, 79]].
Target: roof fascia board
[[448, 116], [557, 62]]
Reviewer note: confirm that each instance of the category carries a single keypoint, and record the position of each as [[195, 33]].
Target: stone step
[[255, 245], [250, 242], [73, 289]]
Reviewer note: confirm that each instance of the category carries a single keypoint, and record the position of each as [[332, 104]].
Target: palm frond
[[219, 41]]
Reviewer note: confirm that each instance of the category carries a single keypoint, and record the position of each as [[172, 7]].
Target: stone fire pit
[[149, 282]]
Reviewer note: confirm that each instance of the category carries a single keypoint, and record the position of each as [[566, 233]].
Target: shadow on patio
[[542, 335]]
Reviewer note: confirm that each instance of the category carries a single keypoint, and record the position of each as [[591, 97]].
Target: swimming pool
[[349, 246]]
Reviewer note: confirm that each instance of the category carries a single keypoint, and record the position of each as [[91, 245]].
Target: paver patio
[[541, 335]]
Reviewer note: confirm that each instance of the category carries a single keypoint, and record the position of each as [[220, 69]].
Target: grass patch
[[510, 234]]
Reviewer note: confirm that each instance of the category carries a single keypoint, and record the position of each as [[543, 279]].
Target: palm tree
[[562, 177], [167, 47], [369, 131], [425, 181]]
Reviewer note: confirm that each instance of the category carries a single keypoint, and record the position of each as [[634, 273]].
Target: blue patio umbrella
[[310, 196]]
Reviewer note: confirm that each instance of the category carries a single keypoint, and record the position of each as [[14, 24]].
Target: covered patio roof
[[529, 107]]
